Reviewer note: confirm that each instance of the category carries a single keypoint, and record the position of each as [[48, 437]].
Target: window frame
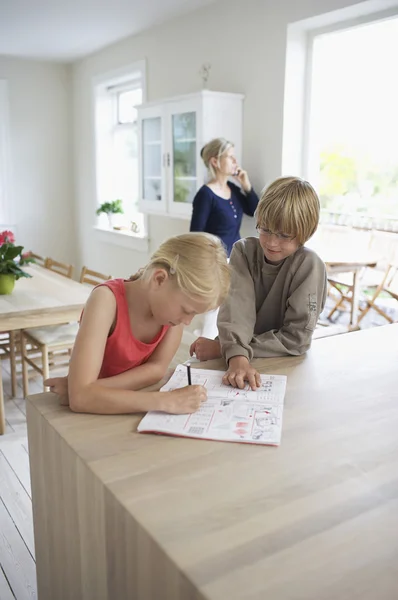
[[106, 87]]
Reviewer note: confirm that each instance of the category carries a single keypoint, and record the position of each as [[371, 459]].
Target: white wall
[[246, 44], [40, 138]]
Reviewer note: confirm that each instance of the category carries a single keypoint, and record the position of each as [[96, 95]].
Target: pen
[[189, 374]]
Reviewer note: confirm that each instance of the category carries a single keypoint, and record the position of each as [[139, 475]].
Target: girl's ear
[[160, 277]]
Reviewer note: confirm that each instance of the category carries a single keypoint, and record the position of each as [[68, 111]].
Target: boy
[[278, 287]]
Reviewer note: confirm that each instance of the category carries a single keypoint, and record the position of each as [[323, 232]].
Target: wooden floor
[[17, 552]]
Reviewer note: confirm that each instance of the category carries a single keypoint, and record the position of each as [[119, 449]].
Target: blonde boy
[[278, 287]]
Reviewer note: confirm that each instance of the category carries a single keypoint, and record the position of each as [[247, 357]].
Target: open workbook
[[229, 415]]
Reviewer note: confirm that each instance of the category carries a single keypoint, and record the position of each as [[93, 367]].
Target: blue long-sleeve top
[[222, 217]]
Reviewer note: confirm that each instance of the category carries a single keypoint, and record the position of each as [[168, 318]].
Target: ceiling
[[66, 30]]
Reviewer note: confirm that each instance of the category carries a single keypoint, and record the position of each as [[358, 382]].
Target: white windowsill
[[125, 239]]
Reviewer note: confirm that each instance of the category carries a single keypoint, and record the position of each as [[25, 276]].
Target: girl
[[219, 205], [130, 330]]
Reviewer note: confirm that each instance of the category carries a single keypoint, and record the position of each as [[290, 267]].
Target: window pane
[[127, 102], [152, 158], [354, 120], [184, 157]]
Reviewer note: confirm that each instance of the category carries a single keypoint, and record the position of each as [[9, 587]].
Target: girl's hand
[[184, 400], [243, 179], [59, 385], [205, 349], [240, 371]]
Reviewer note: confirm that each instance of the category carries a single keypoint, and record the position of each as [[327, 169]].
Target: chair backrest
[[384, 246], [39, 260], [93, 277], [58, 267]]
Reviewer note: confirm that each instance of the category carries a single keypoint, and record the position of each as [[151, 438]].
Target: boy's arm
[[237, 315], [304, 305]]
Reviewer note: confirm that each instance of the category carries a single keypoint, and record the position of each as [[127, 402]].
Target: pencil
[[189, 374]]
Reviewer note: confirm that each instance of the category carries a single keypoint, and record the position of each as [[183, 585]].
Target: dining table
[[46, 298], [120, 514], [344, 259]]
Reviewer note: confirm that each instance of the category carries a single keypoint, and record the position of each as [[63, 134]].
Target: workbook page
[[229, 414]]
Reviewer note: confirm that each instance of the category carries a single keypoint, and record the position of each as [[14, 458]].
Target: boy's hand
[[205, 349], [59, 385], [240, 371], [184, 400]]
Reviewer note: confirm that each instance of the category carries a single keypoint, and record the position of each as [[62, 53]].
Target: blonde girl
[[130, 330]]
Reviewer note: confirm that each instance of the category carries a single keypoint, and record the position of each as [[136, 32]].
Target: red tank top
[[123, 351]]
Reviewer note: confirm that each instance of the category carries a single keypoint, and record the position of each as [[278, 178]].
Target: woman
[[219, 205]]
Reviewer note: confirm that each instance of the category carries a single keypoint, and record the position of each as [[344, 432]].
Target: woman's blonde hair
[[197, 262], [214, 149], [289, 205]]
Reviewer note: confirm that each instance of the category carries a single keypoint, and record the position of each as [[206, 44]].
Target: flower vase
[[111, 220], [7, 282]]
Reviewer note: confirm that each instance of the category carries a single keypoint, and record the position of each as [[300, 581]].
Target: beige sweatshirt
[[271, 310]]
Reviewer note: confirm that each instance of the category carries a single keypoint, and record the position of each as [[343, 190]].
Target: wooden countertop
[[313, 519]]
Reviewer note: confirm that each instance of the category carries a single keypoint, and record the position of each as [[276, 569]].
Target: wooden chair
[[93, 277], [58, 267], [52, 344], [388, 287], [382, 245], [39, 260], [9, 343]]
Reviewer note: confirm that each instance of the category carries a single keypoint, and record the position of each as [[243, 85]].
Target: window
[[353, 123], [116, 99]]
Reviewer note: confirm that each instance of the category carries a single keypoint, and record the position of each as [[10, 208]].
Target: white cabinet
[[171, 135]]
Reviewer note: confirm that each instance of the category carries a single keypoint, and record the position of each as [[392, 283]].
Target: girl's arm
[[87, 394], [153, 370]]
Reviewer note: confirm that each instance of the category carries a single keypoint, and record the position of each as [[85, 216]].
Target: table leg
[[354, 301], [2, 412]]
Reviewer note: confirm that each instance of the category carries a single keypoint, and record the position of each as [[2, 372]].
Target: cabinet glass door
[[152, 159], [184, 155]]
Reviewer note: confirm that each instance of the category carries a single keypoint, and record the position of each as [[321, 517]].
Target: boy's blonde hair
[[214, 149], [198, 263], [289, 205]]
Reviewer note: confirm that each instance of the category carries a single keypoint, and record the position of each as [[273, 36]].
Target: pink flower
[[26, 254], [7, 237]]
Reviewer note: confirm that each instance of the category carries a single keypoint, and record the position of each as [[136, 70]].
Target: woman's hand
[[184, 400], [59, 385], [243, 179], [205, 349], [240, 371]]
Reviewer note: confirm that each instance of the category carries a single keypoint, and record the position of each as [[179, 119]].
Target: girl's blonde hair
[[289, 205], [197, 262], [214, 149]]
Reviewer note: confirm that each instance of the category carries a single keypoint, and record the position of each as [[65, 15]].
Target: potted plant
[[111, 208], [11, 261]]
